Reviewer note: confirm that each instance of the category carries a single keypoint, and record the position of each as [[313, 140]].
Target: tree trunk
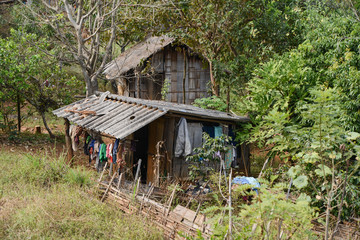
[[69, 149], [138, 84], [184, 79], [94, 85], [46, 126], [214, 87], [91, 84], [18, 112], [228, 99]]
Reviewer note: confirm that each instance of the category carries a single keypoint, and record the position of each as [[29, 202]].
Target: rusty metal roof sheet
[[134, 56], [120, 116]]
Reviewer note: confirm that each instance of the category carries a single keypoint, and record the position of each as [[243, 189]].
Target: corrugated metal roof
[[120, 116], [132, 57]]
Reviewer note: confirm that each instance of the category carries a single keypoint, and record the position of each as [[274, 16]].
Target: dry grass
[[44, 199]]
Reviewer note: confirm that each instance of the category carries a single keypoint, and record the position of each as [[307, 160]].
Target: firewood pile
[[176, 223]]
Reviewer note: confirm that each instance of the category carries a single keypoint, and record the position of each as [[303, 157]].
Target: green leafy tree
[[89, 33], [328, 57], [26, 70], [325, 154], [234, 36], [304, 106]]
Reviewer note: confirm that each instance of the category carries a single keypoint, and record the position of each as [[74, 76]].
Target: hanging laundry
[[75, 132], [115, 149], [78, 130], [96, 153], [86, 144], [91, 147], [234, 163], [229, 156], [109, 152], [183, 144], [195, 134], [209, 130], [218, 131], [102, 157], [72, 133], [102, 153]]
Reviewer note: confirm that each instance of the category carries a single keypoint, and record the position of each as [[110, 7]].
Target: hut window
[[132, 117]]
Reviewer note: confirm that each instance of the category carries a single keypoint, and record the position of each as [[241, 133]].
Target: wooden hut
[[153, 126], [158, 68]]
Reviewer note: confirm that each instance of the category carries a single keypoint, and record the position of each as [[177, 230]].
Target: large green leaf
[[323, 169], [353, 136], [294, 171], [301, 181]]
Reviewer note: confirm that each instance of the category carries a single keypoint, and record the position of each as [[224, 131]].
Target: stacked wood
[[175, 224]]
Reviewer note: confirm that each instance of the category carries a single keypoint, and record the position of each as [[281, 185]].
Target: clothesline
[[97, 150]]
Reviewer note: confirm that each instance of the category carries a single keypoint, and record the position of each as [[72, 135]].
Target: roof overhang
[[120, 116]]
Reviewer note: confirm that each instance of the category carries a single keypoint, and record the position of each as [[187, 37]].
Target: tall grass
[[42, 198]]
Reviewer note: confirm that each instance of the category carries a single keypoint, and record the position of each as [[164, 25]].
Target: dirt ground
[[29, 143]]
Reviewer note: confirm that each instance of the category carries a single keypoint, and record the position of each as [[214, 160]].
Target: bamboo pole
[[170, 200], [107, 189], [69, 150], [119, 181], [102, 173], [137, 170], [230, 210]]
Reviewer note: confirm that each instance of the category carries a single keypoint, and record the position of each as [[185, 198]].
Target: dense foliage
[[31, 74], [292, 66]]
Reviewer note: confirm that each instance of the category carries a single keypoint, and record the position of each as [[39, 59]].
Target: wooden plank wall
[[156, 132], [244, 158], [196, 81], [169, 138], [169, 64]]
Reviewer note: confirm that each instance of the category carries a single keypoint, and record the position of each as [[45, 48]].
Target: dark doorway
[[141, 138]]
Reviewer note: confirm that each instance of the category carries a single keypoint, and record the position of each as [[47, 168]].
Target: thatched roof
[[132, 57]]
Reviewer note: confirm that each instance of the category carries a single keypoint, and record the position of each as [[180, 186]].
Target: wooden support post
[[197, 212], [137, 170], [18, 112], [107, 189], [111, 169], [147, 195], [69, 150], [243, 148], [230, 210], [138, 83], [228, 99], [170, 201], [184, 78], [157, 163], [119, 182], [137, 188]]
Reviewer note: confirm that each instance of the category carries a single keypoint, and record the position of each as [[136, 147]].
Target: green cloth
[[229, 157], [102, 153], [218, 131]]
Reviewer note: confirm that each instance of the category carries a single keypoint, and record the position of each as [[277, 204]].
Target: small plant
[[209, 156], [269, 216], [79, 176], [213, 102], [165, 89]]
